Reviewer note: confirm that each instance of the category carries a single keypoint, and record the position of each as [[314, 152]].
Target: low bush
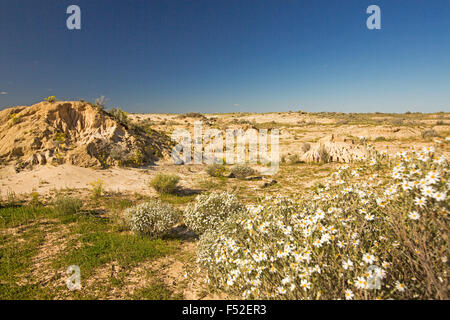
[[97, 188], [210, 210], [216, 170], [67, 205], [153, 218], [431, 133], [50, 99], [241, 171], [165, 183]]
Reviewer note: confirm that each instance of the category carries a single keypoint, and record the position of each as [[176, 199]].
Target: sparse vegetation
[[50, 99], [216, 170], [165, 183], [431, 133], [97, 188], [120, 115], [14, 118], [241, 171], [65, 204]]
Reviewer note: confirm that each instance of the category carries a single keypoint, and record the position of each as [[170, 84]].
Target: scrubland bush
[[216, 170], [324, 156], [34, 201], [14, 118], [305, 147], [67, 205], [97, 188], [210, 210], [376, 230], [241, 171], [431, 133], [165, 183], [153, 218], [119, 115], [50, 99]]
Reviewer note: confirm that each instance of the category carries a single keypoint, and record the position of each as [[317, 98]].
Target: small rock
[[253, 178], [268, 184]]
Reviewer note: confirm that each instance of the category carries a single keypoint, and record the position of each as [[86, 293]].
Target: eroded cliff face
[[73, 132]]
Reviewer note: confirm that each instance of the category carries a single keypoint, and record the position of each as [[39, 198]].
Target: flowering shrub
[[50, 99], [376, 230], [153, 218], [210, 210], [216, 170]]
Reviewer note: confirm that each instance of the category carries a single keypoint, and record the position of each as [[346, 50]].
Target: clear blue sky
[[229, 55]]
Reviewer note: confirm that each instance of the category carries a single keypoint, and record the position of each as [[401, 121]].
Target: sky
[[229, 55]]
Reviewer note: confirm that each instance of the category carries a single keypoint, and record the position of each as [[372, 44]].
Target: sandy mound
[[76, 133], [334, 149]]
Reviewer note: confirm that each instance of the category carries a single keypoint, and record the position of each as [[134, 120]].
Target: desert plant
[[64, 204], [97, 188], [210, 210], [11, 198], [396, 122], [153, 218], [34, 201], [431, 133], [50, 99], [14, 118], [216, 170], [119, 115], [324, 156], [117, 153], [305, 147], [241, 171], [377, 230], [165, 183], [101, 102]]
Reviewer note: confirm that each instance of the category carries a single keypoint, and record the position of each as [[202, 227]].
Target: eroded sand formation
[[76, 133]]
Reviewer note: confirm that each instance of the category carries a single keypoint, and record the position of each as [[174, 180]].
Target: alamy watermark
[[216, 147], [73, 22], [374, 20], [73, 282], [374, 278]]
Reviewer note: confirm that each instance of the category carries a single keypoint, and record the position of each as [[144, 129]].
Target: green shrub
[[119, 115], [165, 183], [210, 210], [153, 218], [14, 118], [241, 171], [67, 205], [216, 170], [34, 201], [97, 188], [50, 99]]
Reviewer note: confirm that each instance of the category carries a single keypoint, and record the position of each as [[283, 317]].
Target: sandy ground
[[46, 178], [295, 130]]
